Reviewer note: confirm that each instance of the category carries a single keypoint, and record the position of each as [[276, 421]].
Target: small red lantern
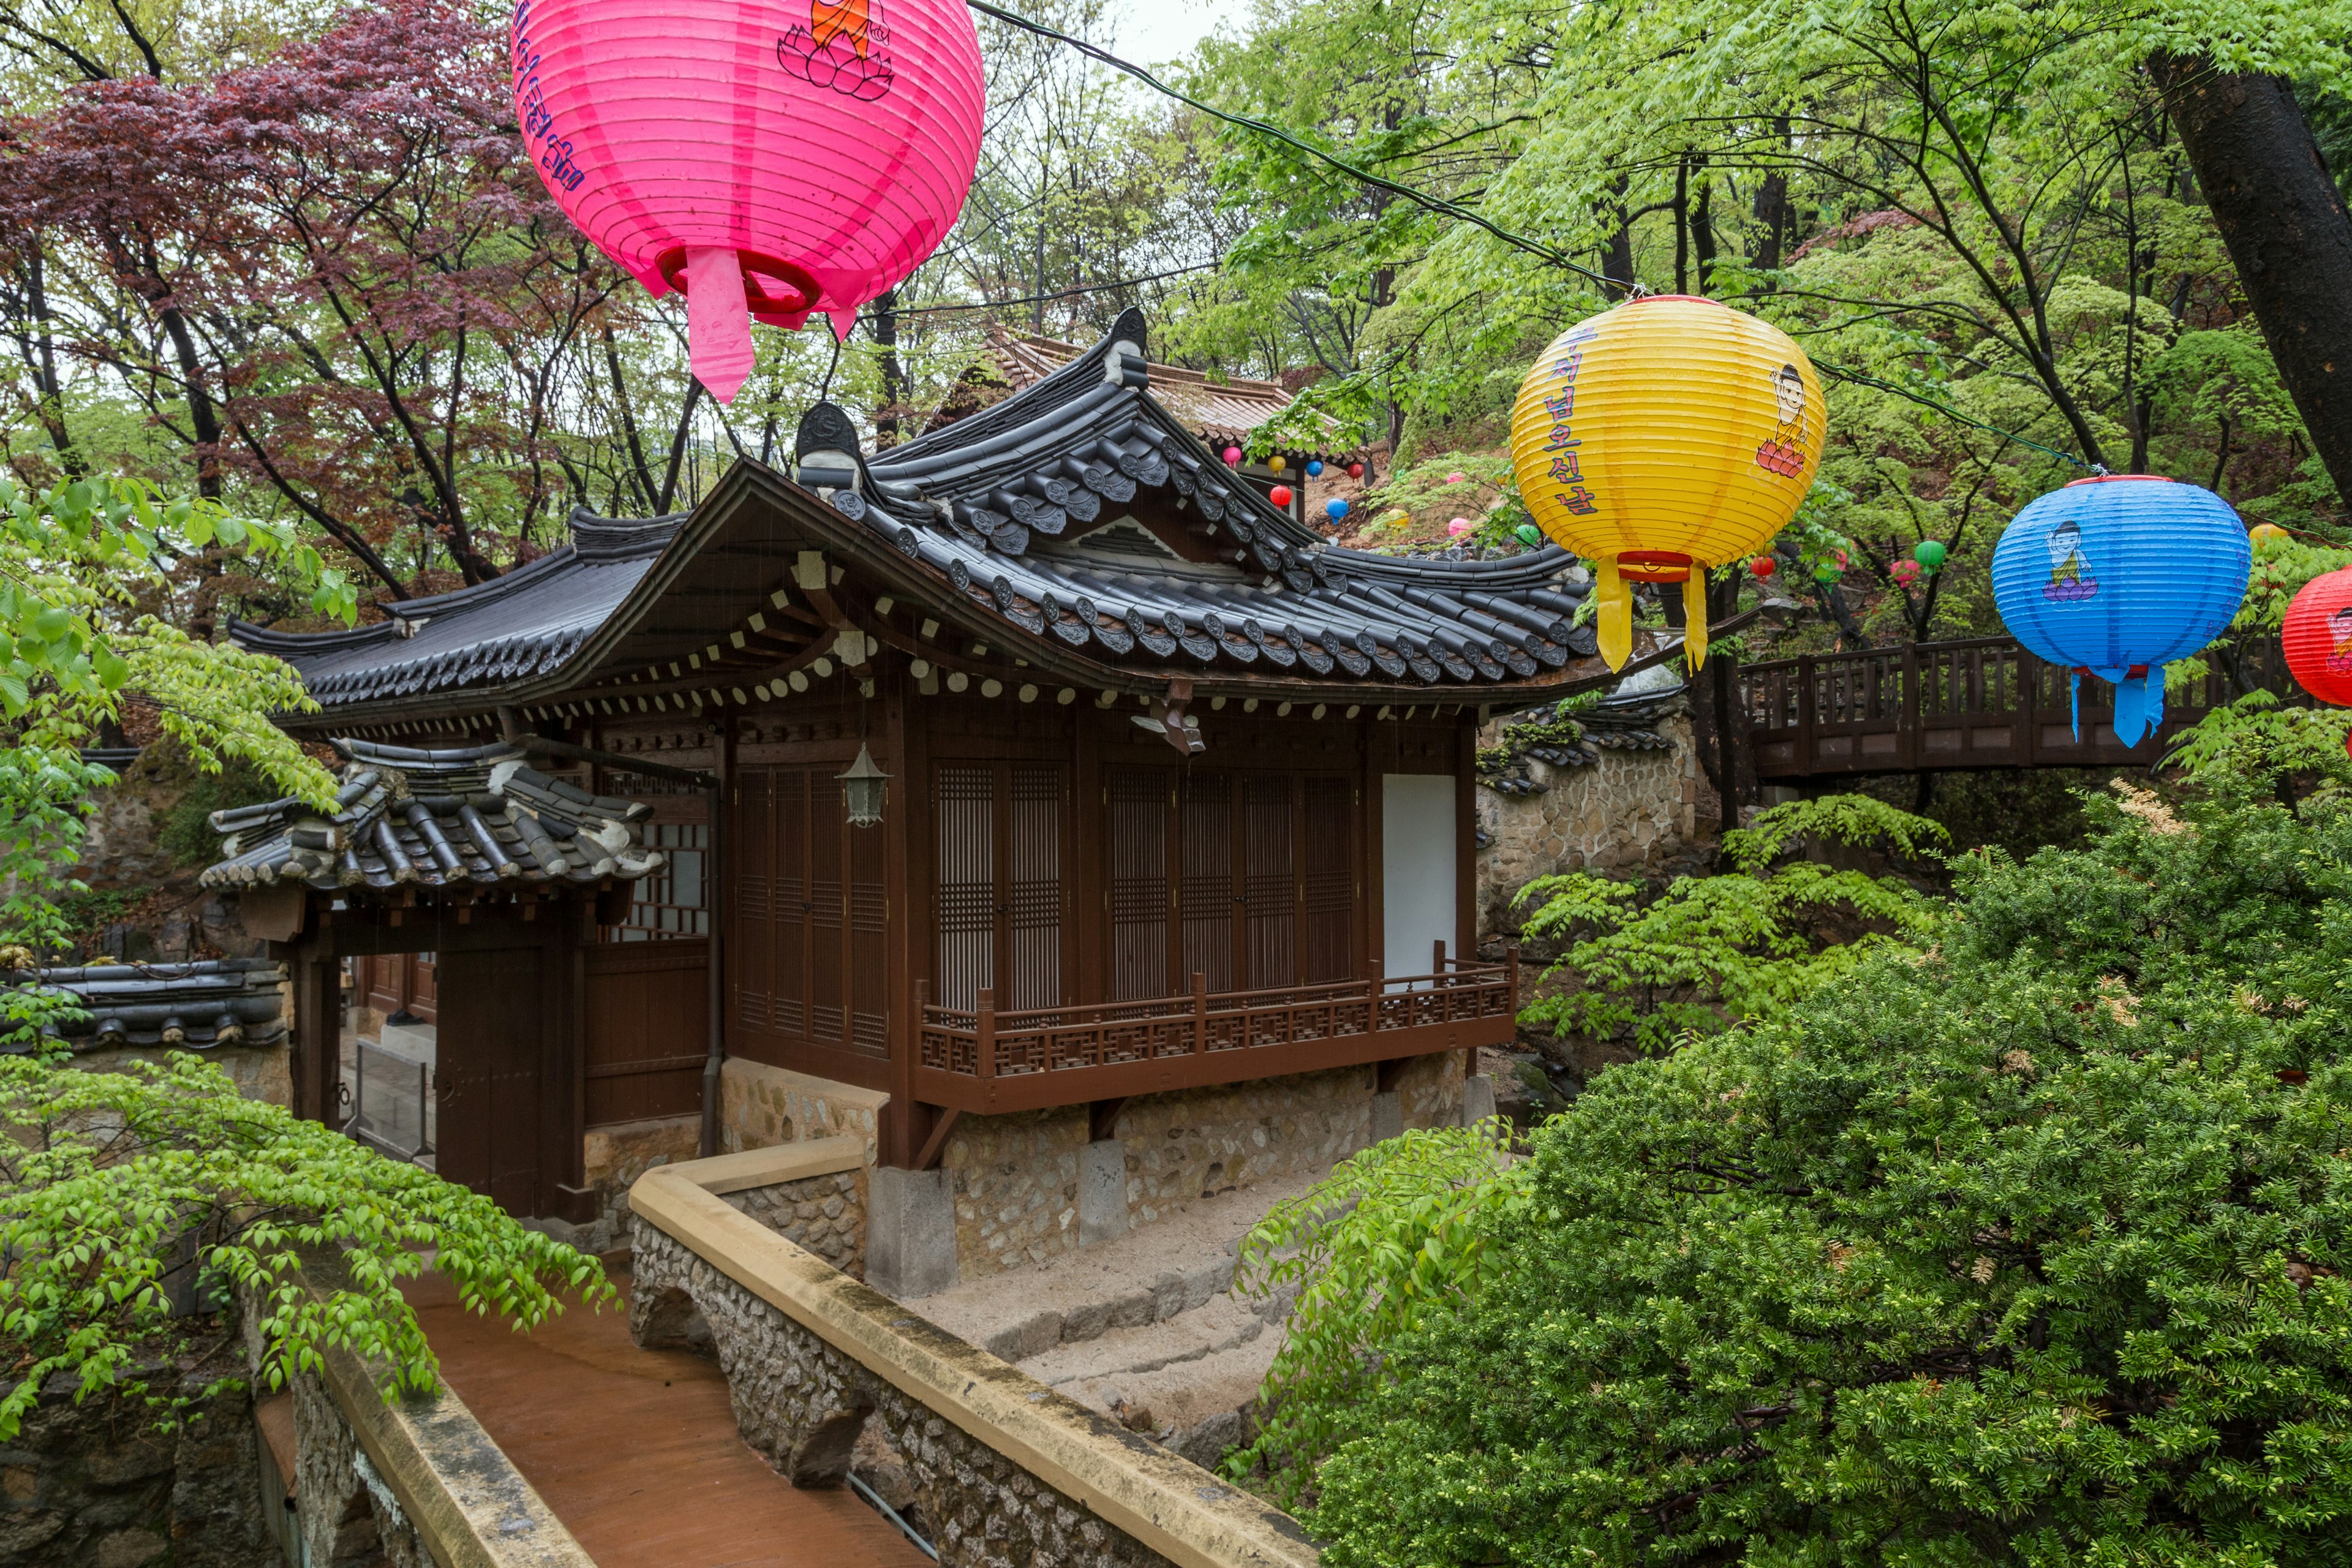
[[2318, 637], [1355, 470], [1280, 495], [1763, 566]]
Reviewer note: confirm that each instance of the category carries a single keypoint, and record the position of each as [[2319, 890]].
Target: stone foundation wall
[[762, 1105], [1627, 812], [614, 1156], [345, 1511], [1015, 1178], [824, 1214], [803, 1405], [95, 1484], [260, 1072]]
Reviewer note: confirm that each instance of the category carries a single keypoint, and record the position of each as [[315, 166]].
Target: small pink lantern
[[1906, 573], [765, 157], [1456, 477], [1233, 457], [1458, 527]]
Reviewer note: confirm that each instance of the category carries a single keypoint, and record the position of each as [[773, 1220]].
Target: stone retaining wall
[[345, 1510], [760, 1106], [1627, 811], [801, 1405], [93, 1483], [824, 1214], [1016, 1179]]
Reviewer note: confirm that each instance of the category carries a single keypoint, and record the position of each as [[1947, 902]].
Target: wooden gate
[[488, 1080], [646, 1028]]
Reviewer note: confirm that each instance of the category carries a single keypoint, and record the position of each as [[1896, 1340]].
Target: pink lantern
[[1233, 457], [1458, 527], [1456, 477], [764, 157]]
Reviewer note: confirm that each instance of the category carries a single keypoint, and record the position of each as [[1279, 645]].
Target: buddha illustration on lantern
[[2070, 574], [1784, 454]]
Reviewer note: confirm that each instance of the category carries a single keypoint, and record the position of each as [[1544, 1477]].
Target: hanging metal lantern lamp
[[864, 789]]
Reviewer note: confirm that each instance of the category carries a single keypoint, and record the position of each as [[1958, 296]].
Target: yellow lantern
[[1662, 437], [2266, 534], [1273, 461]]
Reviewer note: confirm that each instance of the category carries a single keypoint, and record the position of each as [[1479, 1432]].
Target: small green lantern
[[1929, 553]]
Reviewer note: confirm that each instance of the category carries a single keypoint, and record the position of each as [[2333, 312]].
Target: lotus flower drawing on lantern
[[771, 159]]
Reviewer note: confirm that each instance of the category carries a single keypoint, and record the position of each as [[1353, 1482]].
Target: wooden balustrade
[[1975, 702], [991, 1059]]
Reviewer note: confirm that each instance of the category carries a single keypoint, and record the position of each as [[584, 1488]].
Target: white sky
[[1154, 32]]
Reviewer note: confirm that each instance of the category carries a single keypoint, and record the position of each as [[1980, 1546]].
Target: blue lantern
[[1315, 468], [2116, 576], [1334, 509]]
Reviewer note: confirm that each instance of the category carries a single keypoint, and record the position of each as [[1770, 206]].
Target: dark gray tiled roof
[[433, 818], [526, 623], [1000, 505], [1018, 512], [215, 1002]]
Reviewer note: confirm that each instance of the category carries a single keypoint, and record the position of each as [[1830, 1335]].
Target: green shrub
[[1712, 949], [2022, 1249]]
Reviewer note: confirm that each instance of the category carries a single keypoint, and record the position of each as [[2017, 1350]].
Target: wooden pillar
[[906, 927], [1465, 833]]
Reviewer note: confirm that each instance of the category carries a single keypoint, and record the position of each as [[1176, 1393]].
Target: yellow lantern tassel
[[1695, 615], [1615, 613]]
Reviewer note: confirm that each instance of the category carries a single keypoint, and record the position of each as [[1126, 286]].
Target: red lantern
[[1280, 495], [2318, 637], [1763, 566], [1355, 470]]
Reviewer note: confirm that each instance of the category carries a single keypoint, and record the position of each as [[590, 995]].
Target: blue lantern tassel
[[2155, 697], [2131, 709], [2074, 700]]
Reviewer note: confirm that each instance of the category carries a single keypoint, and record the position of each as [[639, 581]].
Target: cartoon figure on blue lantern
[[2070, 574]]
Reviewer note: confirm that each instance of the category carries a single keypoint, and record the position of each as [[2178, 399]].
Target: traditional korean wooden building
[[1177, 793]]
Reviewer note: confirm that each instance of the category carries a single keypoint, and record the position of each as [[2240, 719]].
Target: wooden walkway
[[635, 1450], [1981, 702]]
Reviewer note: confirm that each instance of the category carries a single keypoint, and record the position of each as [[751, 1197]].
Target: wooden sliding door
[[805, 963], [1249, 879], [1001, 894]]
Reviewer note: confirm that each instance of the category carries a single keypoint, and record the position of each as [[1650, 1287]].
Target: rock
[[1033, 1335]]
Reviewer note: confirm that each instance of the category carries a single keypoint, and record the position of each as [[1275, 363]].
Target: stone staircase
[[1145, 1327]]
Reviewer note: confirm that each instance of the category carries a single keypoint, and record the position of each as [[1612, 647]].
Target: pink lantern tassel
[[718, 321]]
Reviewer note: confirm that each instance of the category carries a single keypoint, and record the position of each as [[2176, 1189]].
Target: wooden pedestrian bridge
[[1977, 702]]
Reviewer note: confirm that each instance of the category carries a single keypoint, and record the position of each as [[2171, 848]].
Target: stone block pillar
[[1477, 1098], [1388, 1116], [1102, 1191], [911, 1237]]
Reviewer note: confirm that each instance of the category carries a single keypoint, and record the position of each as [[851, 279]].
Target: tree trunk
[[2287, 232], [886, 419], [1682, 225]]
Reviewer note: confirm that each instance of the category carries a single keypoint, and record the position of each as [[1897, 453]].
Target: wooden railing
[[1981, 702], [987, 1058]]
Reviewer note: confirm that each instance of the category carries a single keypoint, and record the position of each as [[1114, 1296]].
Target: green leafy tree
[[1712, 951], [2026, 1250], [127, 1198]]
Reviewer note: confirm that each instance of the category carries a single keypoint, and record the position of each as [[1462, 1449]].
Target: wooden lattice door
[[1000, 893]]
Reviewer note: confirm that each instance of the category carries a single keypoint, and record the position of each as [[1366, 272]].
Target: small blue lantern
[[2116, 576], [1315, 468], [1334, 509]]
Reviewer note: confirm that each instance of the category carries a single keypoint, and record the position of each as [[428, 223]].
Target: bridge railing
[[1972, 702]]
